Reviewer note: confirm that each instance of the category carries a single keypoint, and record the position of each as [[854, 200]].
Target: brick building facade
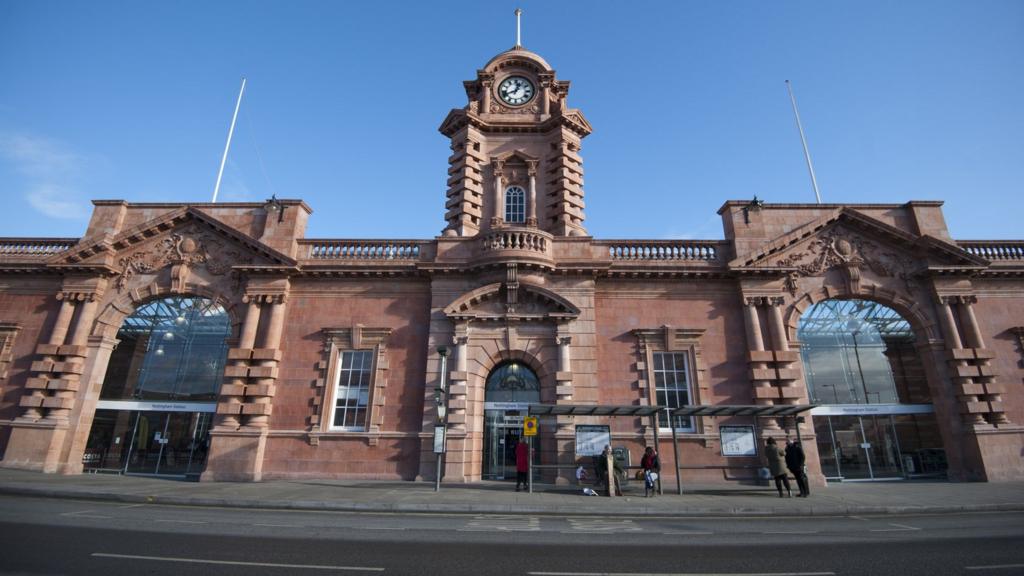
[[324, 358]]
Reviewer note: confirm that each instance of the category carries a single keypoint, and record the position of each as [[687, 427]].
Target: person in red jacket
[[522, 464]]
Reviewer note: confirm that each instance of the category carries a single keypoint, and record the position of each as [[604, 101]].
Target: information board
[[591, 439], [738, 440]]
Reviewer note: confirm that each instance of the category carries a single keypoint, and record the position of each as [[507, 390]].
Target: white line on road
[[994, 567], [898, 528], [83, 515], [690, 533], [132, 506], [232, 563], [181, 521], [791, 532], [279, 525], [681, 573], [859, 518]]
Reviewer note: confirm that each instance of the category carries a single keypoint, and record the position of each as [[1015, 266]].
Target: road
[[44, 536]]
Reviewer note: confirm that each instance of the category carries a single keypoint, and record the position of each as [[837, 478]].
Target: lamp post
[[441, 426], [855, 326]]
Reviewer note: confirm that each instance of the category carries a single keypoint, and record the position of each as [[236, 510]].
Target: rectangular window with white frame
[[672, 387], [352, 390]]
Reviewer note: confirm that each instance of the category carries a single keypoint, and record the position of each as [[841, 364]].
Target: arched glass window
[[512, 382], [859, 352], [515, 204], [173, 348]]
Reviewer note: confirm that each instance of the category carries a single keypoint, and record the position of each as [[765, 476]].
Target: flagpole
[[803, 140], [227, 146]]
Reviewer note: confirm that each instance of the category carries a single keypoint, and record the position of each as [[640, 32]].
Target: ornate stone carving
[[498, 108], [182, 250], [840, 249]]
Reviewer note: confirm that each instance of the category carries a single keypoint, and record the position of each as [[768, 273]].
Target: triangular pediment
[[185, 235], [846, 235], [494, 302]]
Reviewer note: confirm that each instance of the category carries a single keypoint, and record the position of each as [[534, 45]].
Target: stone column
[[764, 393], [971, 329], [499, 194], [70, 382], [34, 408], [246, 342], [458, 401], [962, 384], [271, 344], [777, 327], [563, 379], [531, 215], [485, 96]]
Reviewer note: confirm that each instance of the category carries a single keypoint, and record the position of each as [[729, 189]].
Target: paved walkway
[[501, 498]]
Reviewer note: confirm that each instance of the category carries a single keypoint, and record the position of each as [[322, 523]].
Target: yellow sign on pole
[[530, 426]]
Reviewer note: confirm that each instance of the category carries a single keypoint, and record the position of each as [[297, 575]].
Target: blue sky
[[900, 100]]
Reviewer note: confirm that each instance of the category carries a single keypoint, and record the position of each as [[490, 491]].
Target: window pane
[[671, 385], [352, 393]]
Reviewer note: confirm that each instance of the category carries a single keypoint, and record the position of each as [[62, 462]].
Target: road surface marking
[[898, 528], [691, 533], [681, 573], [859, 518], [598, 525], [181, 521], [994, 567], [502, 524], [84, 515], [384, 528], [280, 525], [791, 532], [132, 506], [232, 563]]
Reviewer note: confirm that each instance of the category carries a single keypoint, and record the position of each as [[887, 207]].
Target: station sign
[[530, 426]]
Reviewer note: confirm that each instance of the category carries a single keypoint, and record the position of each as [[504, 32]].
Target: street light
[[855, 325], [441, 427]]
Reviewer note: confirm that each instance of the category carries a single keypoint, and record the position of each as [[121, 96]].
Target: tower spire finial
[[519, 43]]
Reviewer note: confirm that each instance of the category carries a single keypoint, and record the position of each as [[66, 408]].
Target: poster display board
[[738, 440], [591, 439]]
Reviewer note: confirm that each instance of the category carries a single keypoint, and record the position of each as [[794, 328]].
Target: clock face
[[516, 90]]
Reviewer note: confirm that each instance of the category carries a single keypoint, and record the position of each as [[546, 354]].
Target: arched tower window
[[515, 204]]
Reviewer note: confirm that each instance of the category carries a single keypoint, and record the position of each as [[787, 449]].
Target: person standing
[[775, 459], [652, 468], [522, 464], [795, 460]]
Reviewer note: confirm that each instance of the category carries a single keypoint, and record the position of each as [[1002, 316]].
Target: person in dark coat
[[795, 460], [776, 468], [651, 465], [522, 464]]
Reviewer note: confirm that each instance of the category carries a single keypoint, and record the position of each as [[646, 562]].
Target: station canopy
[[592, 410], [742, 410]]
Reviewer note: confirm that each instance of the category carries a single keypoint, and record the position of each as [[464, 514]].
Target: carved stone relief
[[182, 250], [848, 252]]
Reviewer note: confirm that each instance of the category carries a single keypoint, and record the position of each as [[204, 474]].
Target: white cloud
[[50, 171]]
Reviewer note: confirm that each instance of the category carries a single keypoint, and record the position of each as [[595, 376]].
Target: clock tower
[[515, 151]]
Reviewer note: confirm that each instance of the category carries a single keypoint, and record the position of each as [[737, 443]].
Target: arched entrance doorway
[[511, 388], [875, 419], [160, 389]]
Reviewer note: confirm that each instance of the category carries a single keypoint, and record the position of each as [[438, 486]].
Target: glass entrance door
[[501, 434], [858, 447], [148, 442]]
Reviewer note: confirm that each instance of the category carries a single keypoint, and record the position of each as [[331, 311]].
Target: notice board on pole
[[591, 439]]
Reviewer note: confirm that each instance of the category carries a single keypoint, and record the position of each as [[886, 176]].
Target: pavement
[[836, 499]]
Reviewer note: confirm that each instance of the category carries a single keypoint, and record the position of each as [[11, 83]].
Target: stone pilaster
[[464, 202], [565, 188]]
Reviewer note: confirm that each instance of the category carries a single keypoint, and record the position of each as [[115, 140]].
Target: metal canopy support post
[[442, 417], [657, 448], [675, 450], [529, 464]]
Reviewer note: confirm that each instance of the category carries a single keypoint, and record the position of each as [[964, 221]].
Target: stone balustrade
[[664, 250], [994, 250], [360, 250], [516, 239], [30, 248]]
